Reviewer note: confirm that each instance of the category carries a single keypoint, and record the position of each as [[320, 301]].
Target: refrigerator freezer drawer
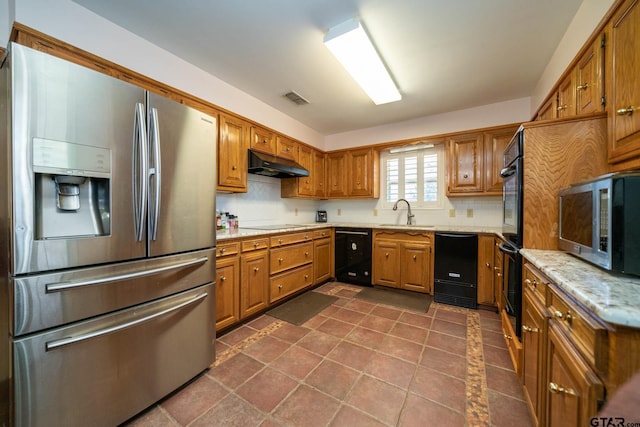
[[50, 300], [104, 371]]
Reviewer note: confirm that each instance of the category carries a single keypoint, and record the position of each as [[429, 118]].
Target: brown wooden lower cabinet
[[227, 291], [322, 255], [573, 390], [254, 291], [534, 336], [403, 260]]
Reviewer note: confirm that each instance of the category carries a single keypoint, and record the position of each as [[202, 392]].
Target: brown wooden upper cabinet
[[286, 148], [263, 140], [311, 186], [475, 161], [232, 154], [337, 174], [363, 173], [319, 174], [624, 114], [581, 91]]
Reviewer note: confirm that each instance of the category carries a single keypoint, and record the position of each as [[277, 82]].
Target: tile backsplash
[[263, 205]]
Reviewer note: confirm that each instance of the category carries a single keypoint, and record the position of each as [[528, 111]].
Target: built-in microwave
[[599, 221]]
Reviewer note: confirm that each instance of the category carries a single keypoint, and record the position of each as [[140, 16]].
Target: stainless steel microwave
[[600, 221]]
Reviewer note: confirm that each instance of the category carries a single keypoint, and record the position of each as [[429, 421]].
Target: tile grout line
[[477, 408]]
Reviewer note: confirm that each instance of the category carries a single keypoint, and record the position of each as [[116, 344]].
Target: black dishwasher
[[456, 269], [353, 255]]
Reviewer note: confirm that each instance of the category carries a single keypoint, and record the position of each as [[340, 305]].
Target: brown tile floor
[[355, 364]]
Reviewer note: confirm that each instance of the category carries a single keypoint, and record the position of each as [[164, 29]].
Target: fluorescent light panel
[[350, 45]]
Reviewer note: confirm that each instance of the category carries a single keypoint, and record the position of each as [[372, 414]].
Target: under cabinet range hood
[[277, 167]]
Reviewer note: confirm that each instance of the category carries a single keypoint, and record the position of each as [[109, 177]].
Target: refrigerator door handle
[[52, 345], [63, 286], [139, 177], [155, 172]]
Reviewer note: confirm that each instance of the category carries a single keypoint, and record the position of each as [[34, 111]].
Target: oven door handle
[[504, 248], [508, 171]]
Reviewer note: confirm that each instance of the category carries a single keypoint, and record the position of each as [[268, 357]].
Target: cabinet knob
[[562, 107], [556, 388], [255, 244], [386, 254], [496, 268], [256, 269], [280, 241], [223, 278], [507, 337], [306, 254], [488, 265], [582, 87], [234, 167], [280, 286], [625, 111], [533, 284], [415, 257], [465, 176], [280, 260], [222, 250], [306, 276], [526, 328]]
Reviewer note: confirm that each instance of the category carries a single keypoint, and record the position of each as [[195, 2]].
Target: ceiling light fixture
[[410, 148], [351, 46]]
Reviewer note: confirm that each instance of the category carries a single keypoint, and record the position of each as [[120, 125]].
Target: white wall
[[587, 18]]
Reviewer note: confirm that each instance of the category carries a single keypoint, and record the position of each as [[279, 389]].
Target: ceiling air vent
[[294, 97]]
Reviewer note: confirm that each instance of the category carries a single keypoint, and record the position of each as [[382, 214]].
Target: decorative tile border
[[237, 348]]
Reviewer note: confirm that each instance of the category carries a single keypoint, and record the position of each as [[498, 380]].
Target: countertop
[[614, 298], [222, 235]]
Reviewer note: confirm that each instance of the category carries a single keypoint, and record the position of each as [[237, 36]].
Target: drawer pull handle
[[582, 87], [533, 284], [507, 337], [526, 328], [556, 388], [499, 274], [562, 107], [625, 111], [564, 316]]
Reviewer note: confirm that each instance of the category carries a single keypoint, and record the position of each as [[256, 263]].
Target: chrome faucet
[[409, 214]]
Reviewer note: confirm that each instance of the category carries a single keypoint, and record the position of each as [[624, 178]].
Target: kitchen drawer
[[288, 239], [282, 259], [291, 281], [227, 249], [588, 334], [535, 282], [320, 234], [255, 244]]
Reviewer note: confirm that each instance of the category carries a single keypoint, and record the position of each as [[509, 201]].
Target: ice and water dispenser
[[72, 189]]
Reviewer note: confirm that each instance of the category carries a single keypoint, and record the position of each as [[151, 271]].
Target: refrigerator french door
[[109, 202]]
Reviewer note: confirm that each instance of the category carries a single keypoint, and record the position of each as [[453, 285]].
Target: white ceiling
[[445, 55]]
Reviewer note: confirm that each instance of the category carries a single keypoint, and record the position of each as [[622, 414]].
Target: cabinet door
[[322, 260], [567, 96], [227, 291], [624, 118], [254, 292], [466, 161], [336, 174], [306, 158], [486, 293], [415, 266], [319, 175], [533, 354], [494, 145], [232, 154], [286, 148], [572, 388], [361, 172], [589, 79], [549, 110], [263, 140], [513, 342], [386, 263], [498, 257]]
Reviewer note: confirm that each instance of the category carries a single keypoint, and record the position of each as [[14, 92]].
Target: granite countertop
[[614, 298], [249, 232]]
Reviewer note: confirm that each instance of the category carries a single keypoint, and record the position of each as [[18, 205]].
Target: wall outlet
[[469, 213], [339, 212], [295, 212], [452, 213], [375, 212]]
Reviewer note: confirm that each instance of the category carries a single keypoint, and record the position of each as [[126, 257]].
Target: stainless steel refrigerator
[[107, 208]]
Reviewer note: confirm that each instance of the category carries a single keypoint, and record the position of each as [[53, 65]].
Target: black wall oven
[[512, 229]]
